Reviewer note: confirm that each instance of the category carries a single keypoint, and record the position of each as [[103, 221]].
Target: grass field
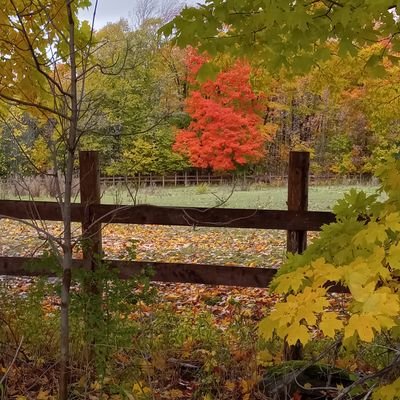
[[321, 198], [267, 197], [185, 244]]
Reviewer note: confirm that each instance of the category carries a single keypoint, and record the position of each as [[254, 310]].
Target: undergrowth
[[143, 349]]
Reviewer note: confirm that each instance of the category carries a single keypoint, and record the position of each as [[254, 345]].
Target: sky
[[114, 10]]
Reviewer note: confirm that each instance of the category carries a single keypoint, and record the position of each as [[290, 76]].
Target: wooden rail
[[297, 221], [159, 271], [180, 216]]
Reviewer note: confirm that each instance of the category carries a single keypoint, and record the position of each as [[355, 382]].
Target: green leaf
[[208, 71]]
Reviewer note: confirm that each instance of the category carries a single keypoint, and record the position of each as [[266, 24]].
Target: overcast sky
[[113, 10]]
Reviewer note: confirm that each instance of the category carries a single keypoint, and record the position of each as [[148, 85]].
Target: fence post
[[299, 165], [89, 181]]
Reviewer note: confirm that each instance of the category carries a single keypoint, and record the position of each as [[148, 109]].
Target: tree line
[[162, 109]]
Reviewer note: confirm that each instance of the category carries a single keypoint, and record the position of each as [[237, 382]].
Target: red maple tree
[[226, 127]]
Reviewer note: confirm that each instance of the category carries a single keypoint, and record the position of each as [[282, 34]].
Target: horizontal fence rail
[[91, 214], [160, 272], [178, 216]]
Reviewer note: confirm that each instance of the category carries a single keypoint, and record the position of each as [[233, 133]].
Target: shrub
[[361, 251]]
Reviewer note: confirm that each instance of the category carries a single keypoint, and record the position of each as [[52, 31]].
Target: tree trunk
[[67, 239]]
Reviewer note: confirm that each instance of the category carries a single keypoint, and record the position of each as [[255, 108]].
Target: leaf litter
[[244, 247], [251, 248]]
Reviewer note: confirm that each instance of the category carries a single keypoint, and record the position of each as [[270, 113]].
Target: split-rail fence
[[296, 220]]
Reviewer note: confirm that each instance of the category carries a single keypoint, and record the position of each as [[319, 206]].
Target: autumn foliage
[[226, 127]]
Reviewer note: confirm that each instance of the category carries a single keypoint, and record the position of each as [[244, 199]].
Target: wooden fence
[[91, 214], [243, 179]]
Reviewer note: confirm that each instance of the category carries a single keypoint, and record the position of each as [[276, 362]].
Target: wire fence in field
[[190, 179], [44, 186]]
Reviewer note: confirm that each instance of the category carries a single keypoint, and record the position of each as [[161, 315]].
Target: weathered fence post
[[89, 181], [299, 165]]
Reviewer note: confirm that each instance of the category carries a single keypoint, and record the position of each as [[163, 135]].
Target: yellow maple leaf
[[382, 303], [372, 233], [324, 272], [364, 325], [393, 257], [330, 324], [386, 322], [297, 332], [388, 392], [292, 281], [266, 328], [307, 314], [392, 221], [359, 292]]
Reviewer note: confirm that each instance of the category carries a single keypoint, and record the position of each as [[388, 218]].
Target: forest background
[[340, 112], [151, 107]]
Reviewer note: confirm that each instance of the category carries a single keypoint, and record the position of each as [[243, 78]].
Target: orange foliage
[[226, 128]]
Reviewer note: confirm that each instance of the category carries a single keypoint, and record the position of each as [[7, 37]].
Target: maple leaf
[[330, 324], [388, 392], [359, 292], [392, 221], [364, 325], [324, 272], [393, 257], [266, 328], [374, 232], [292, 281], [297, 332]]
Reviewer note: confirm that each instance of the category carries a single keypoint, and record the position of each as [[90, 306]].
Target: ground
[[221, 317]]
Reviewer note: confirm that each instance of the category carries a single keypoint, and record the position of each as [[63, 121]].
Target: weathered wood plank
[[199, 273], [89, 183], [162, 272], [38, 210], [214, 217], [299, 163], [189, 216]]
